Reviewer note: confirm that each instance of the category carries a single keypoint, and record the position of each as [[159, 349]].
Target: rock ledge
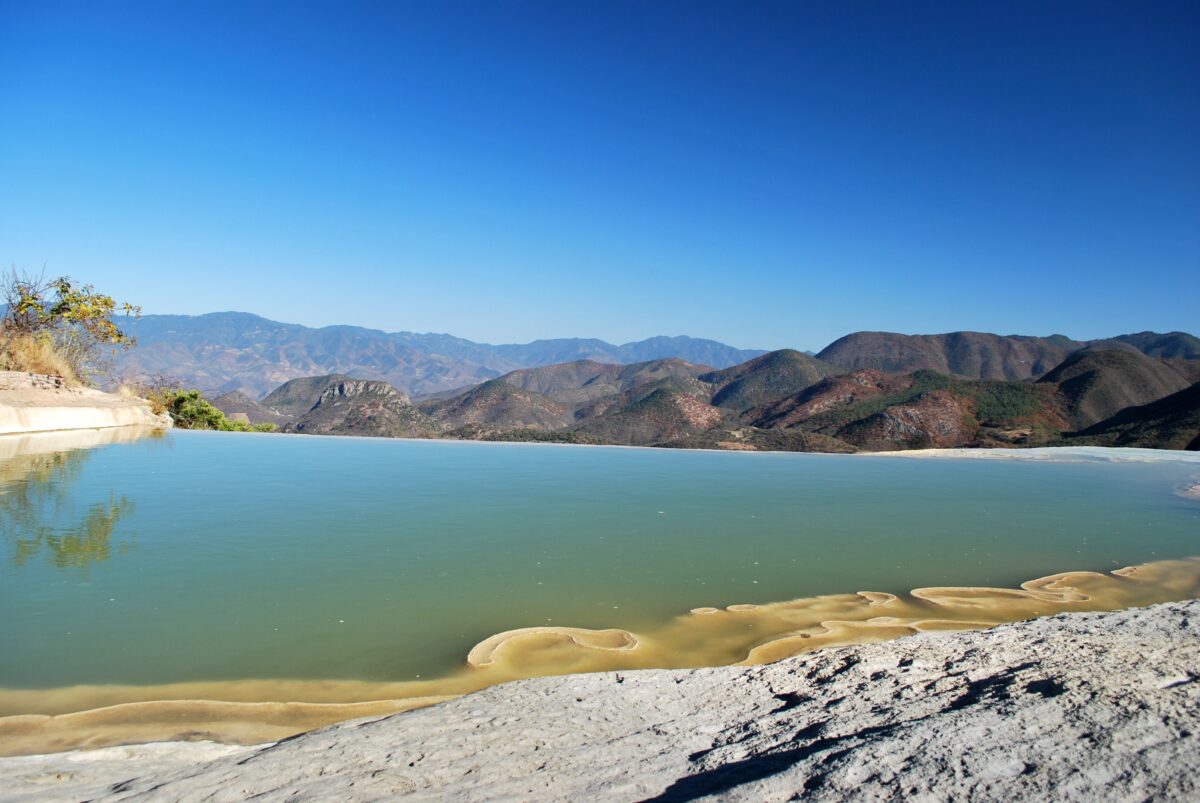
[[38, 403]]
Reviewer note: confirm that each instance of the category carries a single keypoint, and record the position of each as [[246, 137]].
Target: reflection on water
[[37, 517], [89, 541]]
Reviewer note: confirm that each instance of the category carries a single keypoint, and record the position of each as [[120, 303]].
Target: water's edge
[[1015, 711], [261, 710]]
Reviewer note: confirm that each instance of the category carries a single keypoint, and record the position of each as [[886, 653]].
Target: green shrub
[[189, 410], [1004, 401], [541, 436]]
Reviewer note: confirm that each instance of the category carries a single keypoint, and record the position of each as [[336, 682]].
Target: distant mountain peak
[[226, 351]]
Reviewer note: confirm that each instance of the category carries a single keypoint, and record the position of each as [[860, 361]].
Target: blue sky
[[770, 174]]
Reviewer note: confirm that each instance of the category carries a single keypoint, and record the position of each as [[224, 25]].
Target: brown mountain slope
[[935, 419], [364, 407], [498, 404], [296, 397], [828, 394], [1097, 383], [766, 379], [976, 355], [1188, 368], [577, 383], [1169, 423], [568, 376], [651, 413], [872, 410]]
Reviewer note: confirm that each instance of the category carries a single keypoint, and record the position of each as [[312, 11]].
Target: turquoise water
[[214, 556]]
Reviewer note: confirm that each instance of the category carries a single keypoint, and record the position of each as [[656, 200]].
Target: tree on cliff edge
[[59, 326]]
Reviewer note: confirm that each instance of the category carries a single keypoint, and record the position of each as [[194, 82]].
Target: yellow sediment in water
[[47, 720]]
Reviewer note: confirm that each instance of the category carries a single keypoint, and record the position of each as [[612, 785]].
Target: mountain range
[[238, 351], [867, 390], [228, 351], [1130, 390]]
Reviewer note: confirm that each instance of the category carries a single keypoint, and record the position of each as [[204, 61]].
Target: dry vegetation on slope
[[1098, 383], [792, 401]]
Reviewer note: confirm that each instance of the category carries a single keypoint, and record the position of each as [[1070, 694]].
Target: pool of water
[[196, 557]]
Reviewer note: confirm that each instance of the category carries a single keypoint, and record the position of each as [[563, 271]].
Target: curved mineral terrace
[[486, 652]]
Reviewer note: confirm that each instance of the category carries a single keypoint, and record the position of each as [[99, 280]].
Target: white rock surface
[[1074, 707], [36, 403], [1048, 454]]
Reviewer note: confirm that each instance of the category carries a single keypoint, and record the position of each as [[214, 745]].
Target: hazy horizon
[[699, 336]]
